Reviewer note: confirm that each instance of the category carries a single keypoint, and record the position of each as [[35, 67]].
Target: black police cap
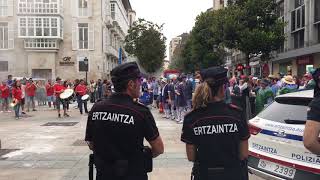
[[125, 72], [217, 73]]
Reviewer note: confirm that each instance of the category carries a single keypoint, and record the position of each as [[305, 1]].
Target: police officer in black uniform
[[216, 134], [116, 129], [312, 128]]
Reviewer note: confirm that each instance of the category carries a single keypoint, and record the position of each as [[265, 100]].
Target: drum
[[67, 95], [85, 97]]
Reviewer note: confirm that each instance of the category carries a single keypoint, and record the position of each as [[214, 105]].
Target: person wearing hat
[[312, 127], [288, 85], [308, 82], [58, 88], [117, 127], [264, 96], [216, 134]]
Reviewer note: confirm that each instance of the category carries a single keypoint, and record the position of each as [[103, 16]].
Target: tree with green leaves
[[146, 41], [202, 49], [253, 27]]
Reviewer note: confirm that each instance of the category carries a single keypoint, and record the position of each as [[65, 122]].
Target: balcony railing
[[112, 51]]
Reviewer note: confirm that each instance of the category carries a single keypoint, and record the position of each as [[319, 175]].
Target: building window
[[40, 43], [280, 9], [3, 7], [298, 18], [83, 7], [54, 27], [113, 10], [4, 66], [46, 27], [23, 26], [83, 35], [298, 39], [298, 3], [4, 36], [30, 27], [317, 11], [39, 27], [38, 6]]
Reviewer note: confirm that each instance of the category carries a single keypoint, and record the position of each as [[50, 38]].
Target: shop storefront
[[304, 64], [285, 68]]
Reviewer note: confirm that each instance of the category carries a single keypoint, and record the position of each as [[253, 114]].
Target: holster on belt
[[147, 158]]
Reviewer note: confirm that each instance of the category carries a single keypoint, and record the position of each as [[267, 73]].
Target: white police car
[[276, 149]]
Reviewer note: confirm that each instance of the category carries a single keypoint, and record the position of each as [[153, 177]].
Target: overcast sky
[[177, 15]]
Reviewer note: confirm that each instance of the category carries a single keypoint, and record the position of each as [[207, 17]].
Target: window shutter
[[75, 36], [91, 36], [74, 8], [11, 31], [90, 8], [10, 7]]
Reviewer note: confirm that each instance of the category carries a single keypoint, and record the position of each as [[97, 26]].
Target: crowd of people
[[172, 96], [21, 95]]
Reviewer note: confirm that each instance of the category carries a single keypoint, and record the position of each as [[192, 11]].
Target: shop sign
[[305, 60], [66, 61]]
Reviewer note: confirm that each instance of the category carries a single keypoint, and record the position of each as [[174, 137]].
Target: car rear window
[[279, 112]]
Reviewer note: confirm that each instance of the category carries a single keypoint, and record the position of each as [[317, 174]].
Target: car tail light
[[254, 130]]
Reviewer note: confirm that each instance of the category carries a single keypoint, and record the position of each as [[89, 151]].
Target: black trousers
[[80, 102]]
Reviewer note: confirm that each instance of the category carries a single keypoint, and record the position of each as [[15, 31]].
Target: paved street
[[57, 152]]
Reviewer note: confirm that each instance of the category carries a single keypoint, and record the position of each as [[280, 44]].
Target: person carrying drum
[[117, 127], [81, 90], [58, 88], [216, 134]]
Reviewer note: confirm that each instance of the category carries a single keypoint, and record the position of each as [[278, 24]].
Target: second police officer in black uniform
[[216, 134], [312, 128], [116, 129]]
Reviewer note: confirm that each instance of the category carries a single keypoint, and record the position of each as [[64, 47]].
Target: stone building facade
[[301, 50], [50, 38]]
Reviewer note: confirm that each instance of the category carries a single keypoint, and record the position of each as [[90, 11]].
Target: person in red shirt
[[17, 97], [30, 93], [81, 90], [50, 92], [5, 92], [58, 88]]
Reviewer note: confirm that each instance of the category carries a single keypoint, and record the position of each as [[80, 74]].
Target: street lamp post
[[86, 62]]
